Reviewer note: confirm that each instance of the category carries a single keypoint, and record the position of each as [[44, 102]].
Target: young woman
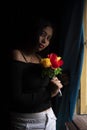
[[29, 94]]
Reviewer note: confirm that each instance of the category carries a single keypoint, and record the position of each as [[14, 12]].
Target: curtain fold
[[72, 52]]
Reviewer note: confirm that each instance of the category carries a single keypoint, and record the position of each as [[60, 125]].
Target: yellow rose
[[46, 62]]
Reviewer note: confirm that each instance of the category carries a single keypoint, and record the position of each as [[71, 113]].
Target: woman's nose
[[44, 40]]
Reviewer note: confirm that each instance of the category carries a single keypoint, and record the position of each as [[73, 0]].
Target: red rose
[[55, 60]]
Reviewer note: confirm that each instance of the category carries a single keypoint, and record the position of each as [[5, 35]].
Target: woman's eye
[[43, 34]]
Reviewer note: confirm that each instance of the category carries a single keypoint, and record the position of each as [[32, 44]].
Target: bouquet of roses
[[52, 66]]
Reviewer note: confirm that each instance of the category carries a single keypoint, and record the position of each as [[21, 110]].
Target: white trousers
[[36, 121]]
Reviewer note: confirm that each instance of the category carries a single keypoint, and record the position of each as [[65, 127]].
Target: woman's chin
[[40, 49]]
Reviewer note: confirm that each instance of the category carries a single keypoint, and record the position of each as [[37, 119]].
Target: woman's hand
[[57, 85]]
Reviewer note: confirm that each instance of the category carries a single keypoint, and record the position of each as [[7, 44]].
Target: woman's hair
[[42, 23]]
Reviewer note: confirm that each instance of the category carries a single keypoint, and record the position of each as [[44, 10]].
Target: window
[[81, 106]]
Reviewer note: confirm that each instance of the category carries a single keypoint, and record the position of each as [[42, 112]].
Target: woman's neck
[[30, 56]]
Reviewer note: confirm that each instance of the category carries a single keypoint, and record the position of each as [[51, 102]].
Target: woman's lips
[[41, 45]]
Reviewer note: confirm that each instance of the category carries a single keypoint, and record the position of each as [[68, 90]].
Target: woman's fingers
[[57, 82]]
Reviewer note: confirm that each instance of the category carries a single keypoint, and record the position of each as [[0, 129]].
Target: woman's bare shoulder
[[16, 54]]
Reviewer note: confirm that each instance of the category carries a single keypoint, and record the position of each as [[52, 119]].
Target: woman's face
[[45, 37]]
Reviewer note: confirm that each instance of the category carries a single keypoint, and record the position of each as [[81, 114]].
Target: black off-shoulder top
[[28, 91]]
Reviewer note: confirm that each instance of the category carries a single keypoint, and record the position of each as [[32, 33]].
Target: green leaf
[[51, 72]]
